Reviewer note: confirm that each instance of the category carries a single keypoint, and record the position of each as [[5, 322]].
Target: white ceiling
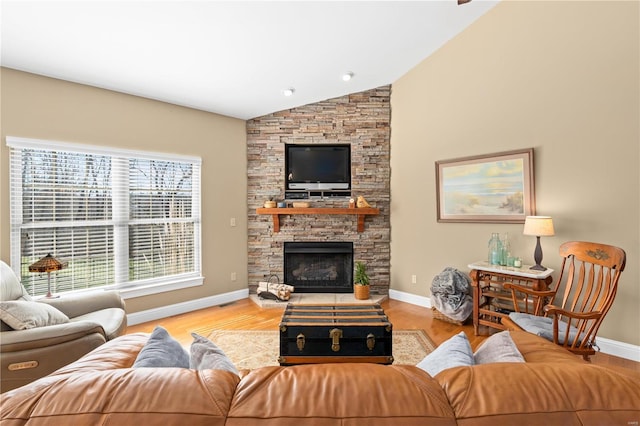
[[229, 57]]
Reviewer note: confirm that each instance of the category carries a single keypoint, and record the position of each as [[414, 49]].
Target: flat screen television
[[317, 167]]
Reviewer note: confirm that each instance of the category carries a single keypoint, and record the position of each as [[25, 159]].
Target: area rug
[[249, 349]]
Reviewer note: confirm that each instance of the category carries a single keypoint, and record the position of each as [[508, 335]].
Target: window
[[122, 219]]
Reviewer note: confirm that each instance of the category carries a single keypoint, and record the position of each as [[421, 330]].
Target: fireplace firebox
[[319, 267]]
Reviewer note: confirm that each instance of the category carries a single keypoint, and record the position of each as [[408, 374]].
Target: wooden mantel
[[360, 212]]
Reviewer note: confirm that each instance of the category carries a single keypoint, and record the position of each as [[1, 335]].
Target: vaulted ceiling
[[229, 57]]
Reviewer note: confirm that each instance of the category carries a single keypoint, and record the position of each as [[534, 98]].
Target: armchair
[[591, 273], [28, 354]]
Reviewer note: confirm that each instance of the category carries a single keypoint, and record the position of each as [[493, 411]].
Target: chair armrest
[[528, 290], [555, 310], [33, 338], [578, 333], [533, 300], [74, 305]]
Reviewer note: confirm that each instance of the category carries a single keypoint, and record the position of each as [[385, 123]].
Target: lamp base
[[538, 268], [537, 257], [49, 295]]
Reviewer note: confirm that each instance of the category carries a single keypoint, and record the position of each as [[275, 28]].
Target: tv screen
[[312, 167]]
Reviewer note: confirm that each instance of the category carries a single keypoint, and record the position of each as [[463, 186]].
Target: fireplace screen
[[319, 267]]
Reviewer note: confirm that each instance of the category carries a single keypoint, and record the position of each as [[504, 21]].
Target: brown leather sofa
[[27, 355], [552, 388]]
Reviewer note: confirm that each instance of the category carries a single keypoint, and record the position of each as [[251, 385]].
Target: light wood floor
[[246, 315]]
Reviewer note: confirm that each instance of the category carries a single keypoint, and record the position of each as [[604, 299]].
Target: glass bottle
[[495, 249], [506, 249]]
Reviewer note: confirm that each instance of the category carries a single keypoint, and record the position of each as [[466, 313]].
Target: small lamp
[[538, 226], [48, 264]]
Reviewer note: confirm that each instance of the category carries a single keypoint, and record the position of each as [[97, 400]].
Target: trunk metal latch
[[300, 340], [335, 335]]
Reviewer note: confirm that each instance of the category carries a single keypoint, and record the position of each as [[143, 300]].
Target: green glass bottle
[[495, 249]]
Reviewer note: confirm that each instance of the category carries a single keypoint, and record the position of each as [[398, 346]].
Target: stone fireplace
[[319, 267], [361, 120]]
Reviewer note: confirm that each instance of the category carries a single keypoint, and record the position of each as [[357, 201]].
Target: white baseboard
[[619, 349], [181, 308], [607, 346], [410, 298]]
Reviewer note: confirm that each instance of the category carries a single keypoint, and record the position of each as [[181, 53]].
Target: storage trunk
[[335, 333]]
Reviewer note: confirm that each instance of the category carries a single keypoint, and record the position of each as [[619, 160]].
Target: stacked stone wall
[[361, 120]]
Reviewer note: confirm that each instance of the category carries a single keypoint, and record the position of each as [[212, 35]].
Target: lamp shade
[[539, 226], [47, 264]]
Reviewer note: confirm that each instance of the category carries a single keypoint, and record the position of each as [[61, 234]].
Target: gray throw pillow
[[206, 355], [22, 314], [455, 352], [498, 348], [162, 351]]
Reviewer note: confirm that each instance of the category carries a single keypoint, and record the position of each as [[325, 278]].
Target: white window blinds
[[119, 218]]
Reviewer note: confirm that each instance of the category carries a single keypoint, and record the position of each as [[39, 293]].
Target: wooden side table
[[491, 302]]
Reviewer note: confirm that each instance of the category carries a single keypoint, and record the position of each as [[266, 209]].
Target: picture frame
[[491, 188]]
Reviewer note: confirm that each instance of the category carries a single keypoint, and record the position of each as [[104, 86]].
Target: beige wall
[[39, 107], [561, 77]]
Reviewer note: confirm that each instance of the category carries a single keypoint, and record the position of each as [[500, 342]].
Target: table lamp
[[538, 226], [48, 264]]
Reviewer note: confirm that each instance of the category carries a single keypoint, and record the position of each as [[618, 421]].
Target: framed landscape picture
[[493, 188]]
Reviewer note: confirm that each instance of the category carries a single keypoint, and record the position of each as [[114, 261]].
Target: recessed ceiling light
[[289, 91], [347, 76]]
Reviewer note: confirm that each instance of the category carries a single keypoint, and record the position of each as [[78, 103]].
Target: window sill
[[155, 288]]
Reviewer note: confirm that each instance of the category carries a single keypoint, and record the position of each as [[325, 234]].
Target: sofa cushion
[[23, 315], [162, 350], [339, 394], [206, 355], [455, 352], [101, 389], [542, 393], [498, 348]]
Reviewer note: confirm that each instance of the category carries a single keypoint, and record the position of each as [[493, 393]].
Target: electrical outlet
[[414, 279], [234, 276], [233, 221]]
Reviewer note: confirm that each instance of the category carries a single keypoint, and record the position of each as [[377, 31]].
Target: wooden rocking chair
[[591, 272]]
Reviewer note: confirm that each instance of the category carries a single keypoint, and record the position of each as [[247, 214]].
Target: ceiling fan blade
[[463, 2]]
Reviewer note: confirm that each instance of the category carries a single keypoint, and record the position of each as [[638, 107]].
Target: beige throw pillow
[[22, 315], [206, 355], [498, 348]]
